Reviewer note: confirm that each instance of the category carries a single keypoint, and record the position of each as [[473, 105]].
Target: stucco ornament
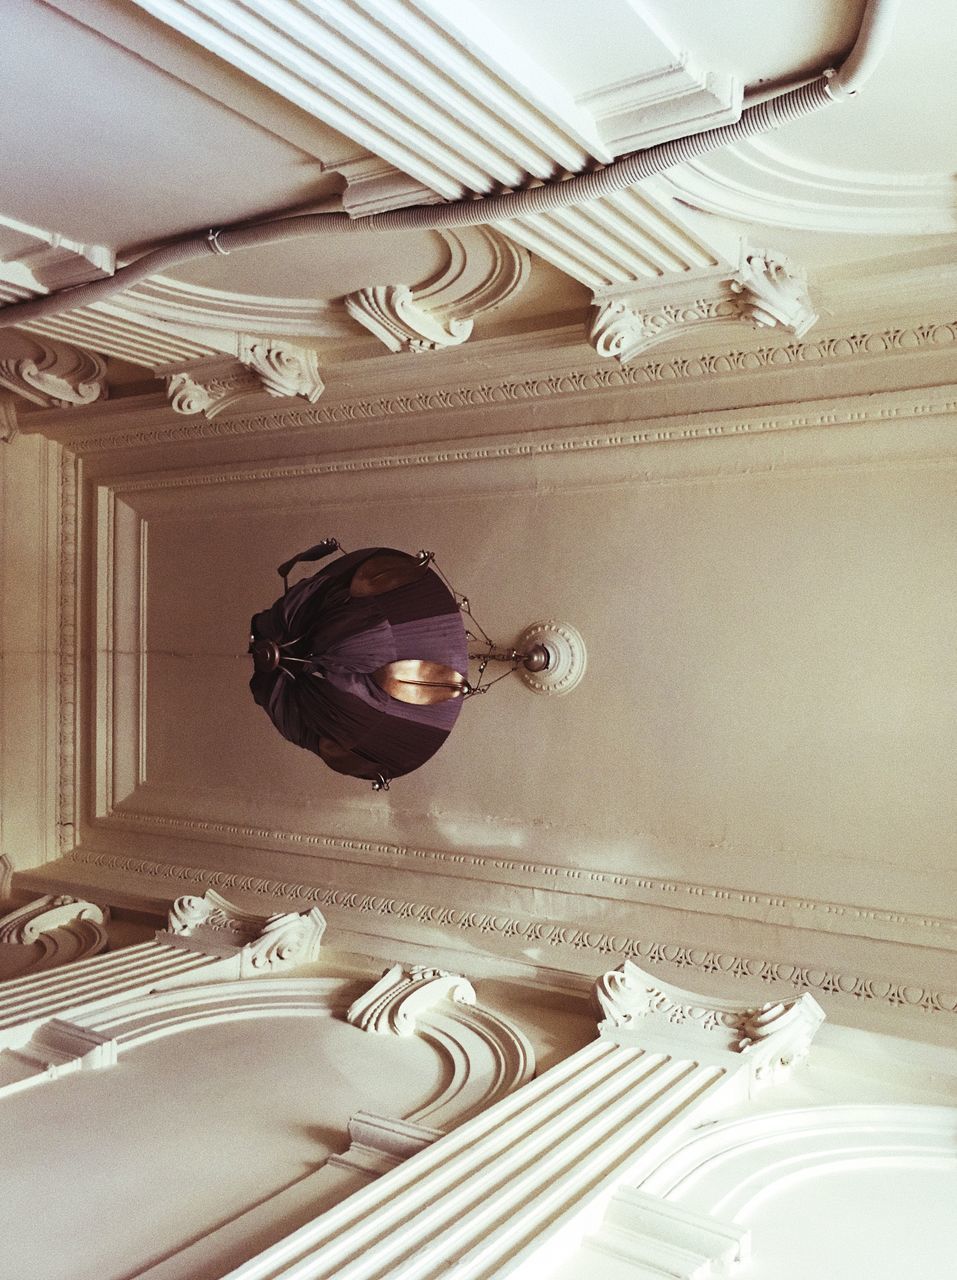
[[54, 375], [391, 312], [771, 292], [27, 923], [391, 1006], [284, 369], [774, 1036], [267, 943]]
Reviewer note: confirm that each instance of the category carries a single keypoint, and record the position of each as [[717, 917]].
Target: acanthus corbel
[[766, 290], [54, 375], [771, 292], [265, 944], [391, 312], [284, 369], [640, 1008], [391, 1005]]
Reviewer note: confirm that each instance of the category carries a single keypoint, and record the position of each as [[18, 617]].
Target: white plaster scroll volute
[[26, 924], [772, 292], [52, 374], [639, 1009], [766, 290], [266, 944], [391, 1006], [284, 369], [391, 313], [210, 387]]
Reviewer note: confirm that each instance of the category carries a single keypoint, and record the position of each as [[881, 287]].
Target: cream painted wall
[[29, 628]]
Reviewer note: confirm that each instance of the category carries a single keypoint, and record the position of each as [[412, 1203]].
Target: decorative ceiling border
[[832, 983], [861, 345], [821, 916], [858, 411], [67, 632]]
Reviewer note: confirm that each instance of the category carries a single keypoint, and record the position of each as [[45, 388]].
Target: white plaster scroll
[[771, 292], [391, 312], [51, 374], [392, 1005], [27, 923], [211, 388], [283, 369], [773, 1036]]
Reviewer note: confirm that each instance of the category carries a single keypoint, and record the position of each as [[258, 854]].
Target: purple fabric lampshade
[[324, 650]]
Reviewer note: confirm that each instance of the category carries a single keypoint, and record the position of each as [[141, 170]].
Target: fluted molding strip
[[8, 418], [392, 1005]]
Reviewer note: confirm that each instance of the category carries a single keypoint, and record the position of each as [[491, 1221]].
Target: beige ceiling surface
[[709, 423]]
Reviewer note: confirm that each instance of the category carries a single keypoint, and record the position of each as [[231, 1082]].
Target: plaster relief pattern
[[860, 345], [517, 932], [392, 1005], [393, 315], [53, 374], [283, 369]]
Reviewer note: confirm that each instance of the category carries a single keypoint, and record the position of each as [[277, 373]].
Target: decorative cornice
[[278, 369], [682, 895], [53, 374], [859, 346], [391, 1005], [519, 931], [391, 313], [774, 1036]]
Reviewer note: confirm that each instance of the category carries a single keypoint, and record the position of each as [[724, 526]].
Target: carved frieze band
[[517, 932], [683, 895], [862, 345]]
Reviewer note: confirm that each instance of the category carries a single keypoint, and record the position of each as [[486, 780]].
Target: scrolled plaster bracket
[[392, 1005], [766, 290], [773, 1037], [51, 374], [265, 944], [209, 387], [391, 313]]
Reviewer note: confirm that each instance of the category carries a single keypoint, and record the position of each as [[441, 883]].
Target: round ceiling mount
[[566, 658]]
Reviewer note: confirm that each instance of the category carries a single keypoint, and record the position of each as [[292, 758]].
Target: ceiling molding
[[641, 890], [469, 110], [570, 946], [759, 182], [132, 423]]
